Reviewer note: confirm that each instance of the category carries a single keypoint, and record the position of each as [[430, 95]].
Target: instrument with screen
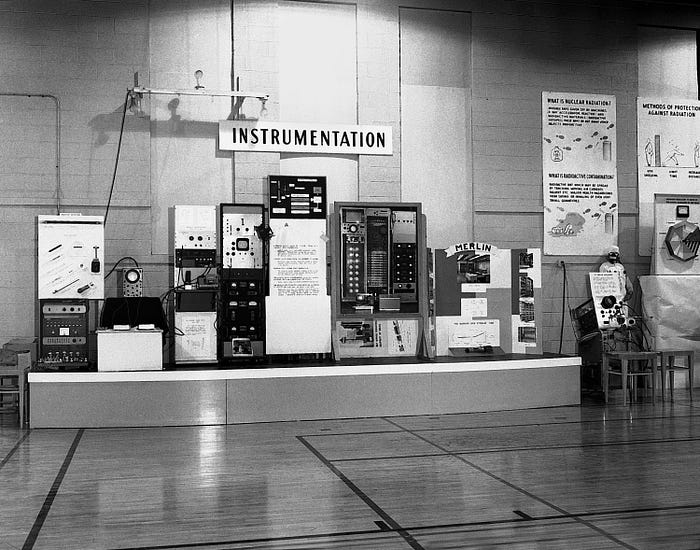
[[241, 322]]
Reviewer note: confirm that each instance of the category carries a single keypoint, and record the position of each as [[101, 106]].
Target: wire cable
[[120, 260], [116, 161], [645, 345], [563, 307]]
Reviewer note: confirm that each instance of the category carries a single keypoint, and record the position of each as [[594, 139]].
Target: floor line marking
[[14, 449], [413, 543], [522, 491], [500, 426], [46, 507], [289, 538], [423, 528], [520, 449]]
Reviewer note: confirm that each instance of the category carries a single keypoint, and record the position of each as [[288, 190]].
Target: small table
[[626, 358]]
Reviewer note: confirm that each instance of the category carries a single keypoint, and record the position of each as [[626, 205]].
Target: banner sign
[[289, 137], [579, 173], [477, 247], [668, 156]]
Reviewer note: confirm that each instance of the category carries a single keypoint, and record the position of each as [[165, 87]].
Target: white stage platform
[[387, 387]]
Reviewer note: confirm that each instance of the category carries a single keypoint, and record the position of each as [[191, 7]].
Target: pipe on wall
[[58, 137]]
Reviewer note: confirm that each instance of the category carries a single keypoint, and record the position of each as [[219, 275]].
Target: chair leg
[[21, 401], [671, 383], [605, 377], [691, 373], [663, 380]]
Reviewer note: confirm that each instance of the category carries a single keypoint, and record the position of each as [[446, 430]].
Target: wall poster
[[668, 156], [579, 173]]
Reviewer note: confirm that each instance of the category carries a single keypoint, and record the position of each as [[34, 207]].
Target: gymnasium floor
[[559, 478]]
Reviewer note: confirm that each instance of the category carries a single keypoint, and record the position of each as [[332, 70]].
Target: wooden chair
[[668, 364], [633, 365], [17, 377]]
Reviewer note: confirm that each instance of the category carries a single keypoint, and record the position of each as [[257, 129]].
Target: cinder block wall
[[86, 53]]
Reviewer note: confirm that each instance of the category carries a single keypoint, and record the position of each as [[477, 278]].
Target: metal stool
[[668, 363], [628, 360]]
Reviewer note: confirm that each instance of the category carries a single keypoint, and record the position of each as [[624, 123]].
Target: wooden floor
[[558, 478]]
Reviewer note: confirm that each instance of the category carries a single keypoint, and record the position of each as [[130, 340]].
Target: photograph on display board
[[357, 334], [527, 334], [527, 283], [241, 347], [473, 268]]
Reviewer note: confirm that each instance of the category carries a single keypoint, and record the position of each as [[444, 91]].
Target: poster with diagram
[[378, 337], [668, 156], [579, 173], [70, 257]]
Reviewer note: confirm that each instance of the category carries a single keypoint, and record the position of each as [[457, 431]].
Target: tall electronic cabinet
[[298, 309], [196, 284], [241, 326], [380, 281]]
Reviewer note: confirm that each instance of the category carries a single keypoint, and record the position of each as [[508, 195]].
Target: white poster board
[[668, 156], [579, 173], [297, 257], [195, 340], [473, 333], [298, 324], [378, 337], [298, 310], [70, 260], [607, 292]]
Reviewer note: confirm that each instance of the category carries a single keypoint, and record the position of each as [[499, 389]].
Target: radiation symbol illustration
[[682, 240]]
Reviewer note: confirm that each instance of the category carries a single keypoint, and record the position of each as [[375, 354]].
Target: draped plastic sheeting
[[672, 311]]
